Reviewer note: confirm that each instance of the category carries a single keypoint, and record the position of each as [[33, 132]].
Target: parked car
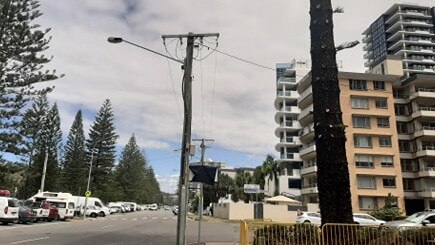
[[25, 214], [41, 209], [54, 214], [92, 211], [366, 219], [154, 207], [424, 218], [9, 210], [309, 218]]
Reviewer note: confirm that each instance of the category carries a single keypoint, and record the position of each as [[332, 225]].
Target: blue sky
[[232, 101]]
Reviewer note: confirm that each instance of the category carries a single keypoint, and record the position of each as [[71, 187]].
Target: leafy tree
[[153, 193], [333, 173], [242, 178], [74, 164], [271, 169], [390, 211], [259, 177], [101, 151], [21, 67]]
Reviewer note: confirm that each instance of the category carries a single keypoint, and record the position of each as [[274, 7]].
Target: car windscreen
[[12, 203]]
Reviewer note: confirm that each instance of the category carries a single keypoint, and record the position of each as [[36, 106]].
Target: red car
[[54, 214]]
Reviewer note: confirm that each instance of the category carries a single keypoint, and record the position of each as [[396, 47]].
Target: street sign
[[88, 193], [251, 188]]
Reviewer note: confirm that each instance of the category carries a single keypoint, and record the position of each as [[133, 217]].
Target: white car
[[309, 218], [365, 219], [8, 210], [154, 207]]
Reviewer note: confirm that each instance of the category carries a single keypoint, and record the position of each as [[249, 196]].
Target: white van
[[8, 210], [64, 202], [92, 202]]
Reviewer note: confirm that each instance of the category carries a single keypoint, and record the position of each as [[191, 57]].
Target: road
[[143, 227]]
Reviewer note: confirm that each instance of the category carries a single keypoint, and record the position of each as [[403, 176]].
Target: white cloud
[[139, 83]]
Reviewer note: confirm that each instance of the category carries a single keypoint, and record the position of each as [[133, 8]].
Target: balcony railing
[[286, 124], [430, 90], [427, 108], [428, 148], [286, 93], [310, 185], [428, 128], [287, 79]]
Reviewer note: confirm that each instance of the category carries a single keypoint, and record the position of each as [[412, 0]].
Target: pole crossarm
[[190, 34]]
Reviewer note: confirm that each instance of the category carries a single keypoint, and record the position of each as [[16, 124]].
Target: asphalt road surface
[[142, 227]]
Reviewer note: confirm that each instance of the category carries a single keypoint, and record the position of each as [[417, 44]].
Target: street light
[[89, 175], [346, 45]]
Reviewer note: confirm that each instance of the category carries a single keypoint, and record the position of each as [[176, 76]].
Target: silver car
[[309, 218], [425, 218]]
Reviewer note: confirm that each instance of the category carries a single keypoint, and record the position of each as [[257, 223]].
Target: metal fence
[[254, 232]]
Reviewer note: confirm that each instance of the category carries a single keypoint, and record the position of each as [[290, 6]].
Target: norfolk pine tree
[[101, 145], [21, 67], [333, 173], [74, 169]]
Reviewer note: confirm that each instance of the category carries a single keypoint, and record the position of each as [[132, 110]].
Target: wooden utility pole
[[183, 187], [333, 173]]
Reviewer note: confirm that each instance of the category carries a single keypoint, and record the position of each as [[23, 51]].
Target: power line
[[238, 58], [212, 94]]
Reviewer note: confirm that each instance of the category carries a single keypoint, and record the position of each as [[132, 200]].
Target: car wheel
[[307, 222], [102, 214], [5, 223], [93, 215]]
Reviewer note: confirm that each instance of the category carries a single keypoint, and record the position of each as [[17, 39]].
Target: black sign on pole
[[204, 174]]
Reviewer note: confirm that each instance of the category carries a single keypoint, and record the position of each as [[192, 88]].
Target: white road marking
[[107, 226], [134, 219], [123, 219], [165, 218], [30, 240], [154, 218], [145, 218]]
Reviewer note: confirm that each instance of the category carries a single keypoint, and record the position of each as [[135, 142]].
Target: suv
[[8, 210], [424, 218]]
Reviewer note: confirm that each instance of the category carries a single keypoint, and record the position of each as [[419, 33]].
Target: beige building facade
[[372, 146]]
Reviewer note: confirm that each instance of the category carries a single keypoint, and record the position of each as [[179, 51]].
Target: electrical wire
[[238, 58], [173, 90]]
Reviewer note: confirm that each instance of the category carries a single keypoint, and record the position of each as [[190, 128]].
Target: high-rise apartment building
[[405, 31], [372, 146], [287, 77], [402, 42]]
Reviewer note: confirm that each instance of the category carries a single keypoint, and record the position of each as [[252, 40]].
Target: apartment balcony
[[289, 126], [367, 38], [283, 96], [424, 111], [426, 151], [306, 98], [368, 46], [426, 131], [292, 157], [283, 81], [288, 141], [308, 151], [427, 193], [427, 172], [306, 116], [410, 194], [286, 110], [368, 55], [368, 63], [307, 170], [307, 134], [423, 93], [309, 189]]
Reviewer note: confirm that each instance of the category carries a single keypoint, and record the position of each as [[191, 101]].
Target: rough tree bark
[[333, 173]]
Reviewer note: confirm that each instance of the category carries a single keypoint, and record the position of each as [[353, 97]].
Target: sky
[[233, 101]]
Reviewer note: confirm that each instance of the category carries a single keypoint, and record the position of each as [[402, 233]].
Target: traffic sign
[[88, 193], [251, 188]]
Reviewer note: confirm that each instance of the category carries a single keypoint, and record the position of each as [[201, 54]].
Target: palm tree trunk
[[333, 173]]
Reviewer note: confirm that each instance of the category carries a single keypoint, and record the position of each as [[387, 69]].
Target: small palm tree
[[270, 168]]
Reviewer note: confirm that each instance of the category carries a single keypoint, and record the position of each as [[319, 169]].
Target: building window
[[381, 103], [362, 141], [389, 182], [364, 161], [358, 85], [408, 185], [294, 184], [360, 103], [367, 203], [379, 85], [361, 122], [383, 122], [385, 141], [387, 161], [366, 182]]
